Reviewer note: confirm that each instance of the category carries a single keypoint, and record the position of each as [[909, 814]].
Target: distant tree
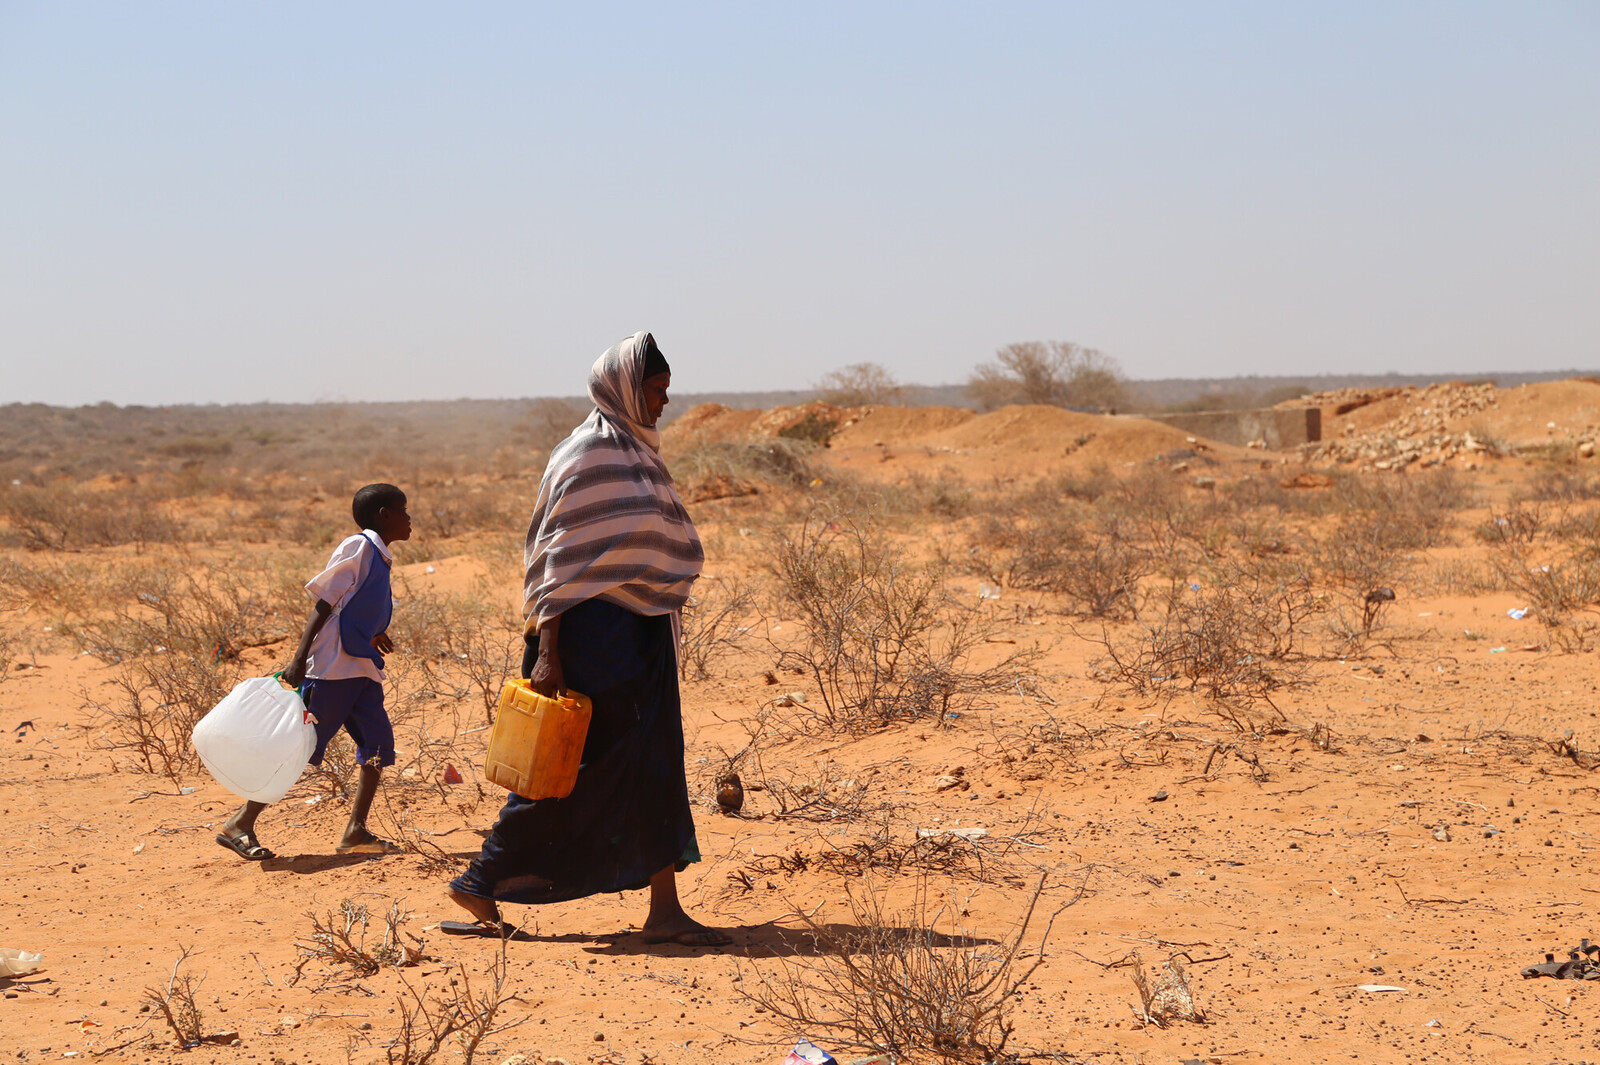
[[1055, 372], [862, 384], [546, 423]]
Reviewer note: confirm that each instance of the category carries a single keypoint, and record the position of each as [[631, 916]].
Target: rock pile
[[1420, 433]]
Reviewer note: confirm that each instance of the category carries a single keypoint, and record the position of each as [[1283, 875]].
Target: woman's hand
[[382, 644], [547, 678]]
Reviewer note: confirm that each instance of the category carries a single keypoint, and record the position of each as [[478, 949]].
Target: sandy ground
[[1409, 819]]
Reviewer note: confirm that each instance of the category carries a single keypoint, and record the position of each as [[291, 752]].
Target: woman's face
[[655, 396]]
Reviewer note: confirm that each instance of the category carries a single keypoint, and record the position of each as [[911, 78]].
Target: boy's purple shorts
[[356, 705]]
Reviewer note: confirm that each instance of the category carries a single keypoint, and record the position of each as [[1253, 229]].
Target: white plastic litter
[[971, 835], [806, 1052], [256, 741], [1378, 987], [15, 962]]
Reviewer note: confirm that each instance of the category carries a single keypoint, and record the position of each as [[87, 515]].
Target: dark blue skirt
[[628, 817]]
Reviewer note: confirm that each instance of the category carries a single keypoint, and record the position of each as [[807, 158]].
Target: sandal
[[246, 846]]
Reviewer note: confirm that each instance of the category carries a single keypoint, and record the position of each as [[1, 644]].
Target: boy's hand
[[295, 675], [382, 644]]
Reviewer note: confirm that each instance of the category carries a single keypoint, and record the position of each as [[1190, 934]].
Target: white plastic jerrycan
[[256, 741]]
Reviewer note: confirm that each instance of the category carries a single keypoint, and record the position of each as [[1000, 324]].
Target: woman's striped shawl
[[608, 523]]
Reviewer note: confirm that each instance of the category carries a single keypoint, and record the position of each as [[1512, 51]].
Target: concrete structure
[[1280, 429]]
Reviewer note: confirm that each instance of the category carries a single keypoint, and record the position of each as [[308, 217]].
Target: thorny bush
[[881, 640]]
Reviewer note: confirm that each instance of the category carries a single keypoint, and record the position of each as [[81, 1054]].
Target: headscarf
[[608, 522]]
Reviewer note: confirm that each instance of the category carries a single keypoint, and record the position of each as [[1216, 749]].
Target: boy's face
[[394, 523], [655, 395]]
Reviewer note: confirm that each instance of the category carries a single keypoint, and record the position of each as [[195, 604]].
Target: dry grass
[[1165, 995]]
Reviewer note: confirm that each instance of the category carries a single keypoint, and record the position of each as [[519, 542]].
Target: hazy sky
[[232, 202]]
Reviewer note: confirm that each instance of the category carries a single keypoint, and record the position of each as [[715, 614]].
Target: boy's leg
[[356, 835], [239, 833], [368, 724]]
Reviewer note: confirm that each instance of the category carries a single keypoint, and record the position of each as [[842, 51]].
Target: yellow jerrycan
[[537, 742]]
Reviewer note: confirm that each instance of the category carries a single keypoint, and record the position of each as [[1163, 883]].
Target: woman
[[611, 555]]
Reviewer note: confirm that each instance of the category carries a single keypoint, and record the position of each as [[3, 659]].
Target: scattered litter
[[430, 569], [1441, 833], [1160, 796], [15, 962], [971, 835], [1583, 963], [1517, 612], [451, 774], [186, 791], [792, 699], [1433, 1024], [139, 849], [313, 800], [1378, 987], [988, 591], [806, 1052], [1496, 650]]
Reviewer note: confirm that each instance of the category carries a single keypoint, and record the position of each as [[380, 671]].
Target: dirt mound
[[712, 421], [900, 425], [1021, 441], [1536, 412], [1039, 430], [849, 426]]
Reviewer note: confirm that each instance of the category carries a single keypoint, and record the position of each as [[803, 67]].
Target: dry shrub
[[450, 508], [1562, 484], [1239, 637], [176, 1003], [463, 1016], [711, 624], [156, 702], [942, 495], [891, 982], [782, 462], [881, 641], [1091, 559], [894, 846], [1556, 589], [1420, 503], [201, 611], [463, 645], [1581, 525], [1165, 995], [338, 941], [64, 516], [1519, 524]]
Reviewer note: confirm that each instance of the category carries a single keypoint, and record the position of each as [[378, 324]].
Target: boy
[[342, 665]]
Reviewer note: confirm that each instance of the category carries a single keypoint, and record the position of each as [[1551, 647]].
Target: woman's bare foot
[[684, 931], [484, 910]]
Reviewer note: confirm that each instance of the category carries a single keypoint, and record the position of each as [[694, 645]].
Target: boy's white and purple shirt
[[334, 585]]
